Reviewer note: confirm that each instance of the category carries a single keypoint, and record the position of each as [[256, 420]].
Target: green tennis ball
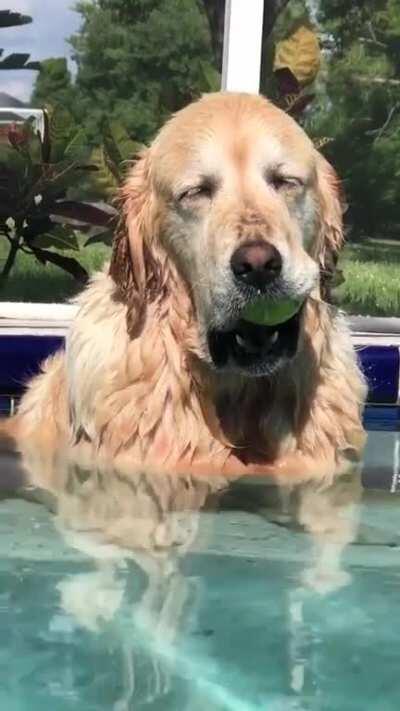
[[265, 312]]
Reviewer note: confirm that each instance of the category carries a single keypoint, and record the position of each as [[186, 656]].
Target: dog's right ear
[[135, 263], [127, 259]]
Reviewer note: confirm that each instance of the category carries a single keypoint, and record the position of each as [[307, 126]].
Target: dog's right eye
[[203, 190]]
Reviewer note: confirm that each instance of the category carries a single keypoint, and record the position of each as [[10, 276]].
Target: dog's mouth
[[254, 349]]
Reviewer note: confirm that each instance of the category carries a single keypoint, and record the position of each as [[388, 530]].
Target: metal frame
[[241, 63]]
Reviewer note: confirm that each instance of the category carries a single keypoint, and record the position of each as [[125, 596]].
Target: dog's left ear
[[332, 206]]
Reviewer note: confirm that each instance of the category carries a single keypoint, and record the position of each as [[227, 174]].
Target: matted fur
[[133, 389]]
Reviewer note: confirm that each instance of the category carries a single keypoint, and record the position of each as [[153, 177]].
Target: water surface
[[186, 595]]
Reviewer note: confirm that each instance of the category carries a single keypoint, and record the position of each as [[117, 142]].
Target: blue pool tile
[[20, 358], [382, 419], [380, 365]]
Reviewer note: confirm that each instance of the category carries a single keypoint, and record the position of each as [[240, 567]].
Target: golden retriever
[[160, 371]]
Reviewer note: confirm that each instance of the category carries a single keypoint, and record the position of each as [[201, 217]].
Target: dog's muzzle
[[253, 349]]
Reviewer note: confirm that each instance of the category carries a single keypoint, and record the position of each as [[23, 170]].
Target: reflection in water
[[140, 594]]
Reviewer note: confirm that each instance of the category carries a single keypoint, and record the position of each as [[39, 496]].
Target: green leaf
[[60, 122], [117, 148], [69, 264], [105, 179], [126, 145], [111, 150], [60, 238], [77, 146], [62, 129], [105, 237], [83, 212]]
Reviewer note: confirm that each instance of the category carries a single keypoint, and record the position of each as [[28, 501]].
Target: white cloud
[[53, 22], [23, 6]]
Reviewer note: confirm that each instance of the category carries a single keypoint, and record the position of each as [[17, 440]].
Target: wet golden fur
[[134, 387]]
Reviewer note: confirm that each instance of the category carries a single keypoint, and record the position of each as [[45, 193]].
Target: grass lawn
[[371, 270], [372, 278], [31, 281]]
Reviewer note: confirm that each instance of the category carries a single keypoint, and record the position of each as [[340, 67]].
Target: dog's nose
[[256, 264]]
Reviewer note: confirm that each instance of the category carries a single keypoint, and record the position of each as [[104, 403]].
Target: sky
[[53, 22]]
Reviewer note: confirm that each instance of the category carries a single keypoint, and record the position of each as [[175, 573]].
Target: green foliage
[[29, 281], [36, 172], [53, 84], [371, 284], [355, 101], [138, 61], [359, 106], [113, 157]]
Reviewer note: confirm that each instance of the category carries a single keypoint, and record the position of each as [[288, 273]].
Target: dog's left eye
[[284, 182], [203, 190]]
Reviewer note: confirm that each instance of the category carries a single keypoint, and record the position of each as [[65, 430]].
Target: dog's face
[[240, 204]]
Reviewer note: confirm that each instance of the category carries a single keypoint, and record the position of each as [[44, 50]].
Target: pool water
[[197, 596]]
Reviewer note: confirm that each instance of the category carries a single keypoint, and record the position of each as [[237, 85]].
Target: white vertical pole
[[241, 65]]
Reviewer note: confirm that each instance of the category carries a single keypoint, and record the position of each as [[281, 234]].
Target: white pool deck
[[37, 319]]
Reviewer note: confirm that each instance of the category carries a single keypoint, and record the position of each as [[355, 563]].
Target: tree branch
[[380, 131], [9, 263]]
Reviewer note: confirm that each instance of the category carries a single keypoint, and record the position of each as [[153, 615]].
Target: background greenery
[[139, 60]]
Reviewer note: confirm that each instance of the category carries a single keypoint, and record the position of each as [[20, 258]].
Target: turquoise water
[[193, 597]]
